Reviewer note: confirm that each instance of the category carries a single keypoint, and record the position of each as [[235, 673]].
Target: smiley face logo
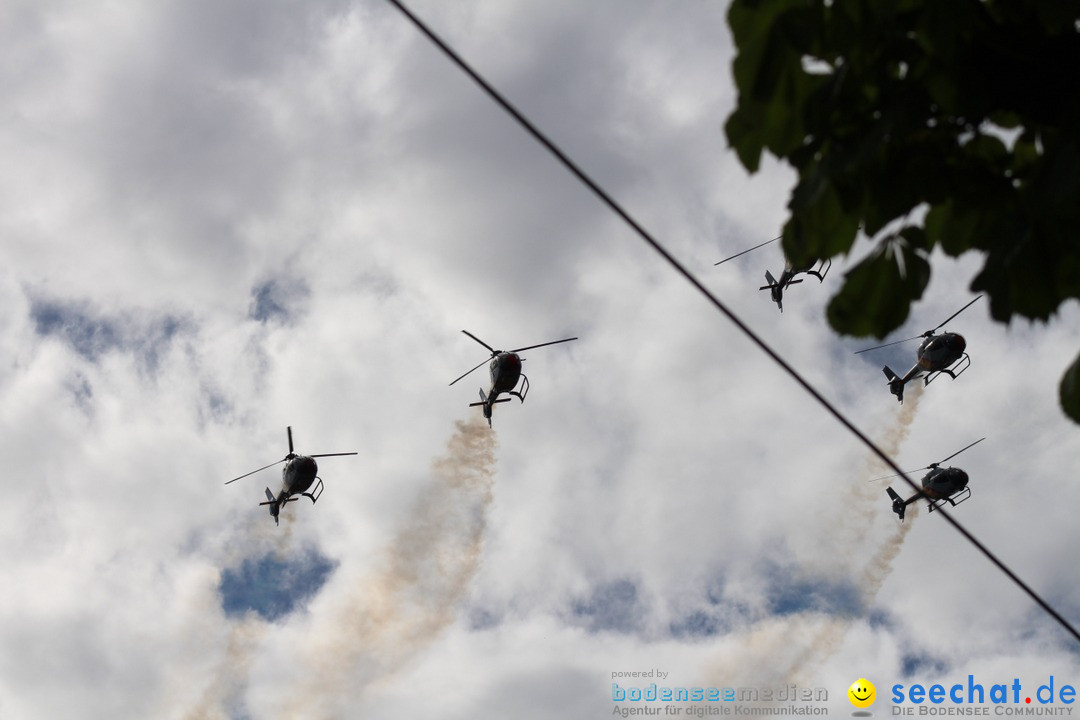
[[862, 693]]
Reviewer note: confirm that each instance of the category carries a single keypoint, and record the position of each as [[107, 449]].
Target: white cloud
[[222, 222]]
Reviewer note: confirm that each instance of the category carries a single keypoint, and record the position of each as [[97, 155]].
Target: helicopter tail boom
[[487, 404], [776, 289]]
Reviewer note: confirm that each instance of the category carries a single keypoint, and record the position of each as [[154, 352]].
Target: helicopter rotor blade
[[553, 342], [493, 350], [746, 251], [954, 315], [332, 454], [289, 429], [906, 472], [931, 466], [960, 450], [928, 333], [895, 342], [485, 360], [255, 471]]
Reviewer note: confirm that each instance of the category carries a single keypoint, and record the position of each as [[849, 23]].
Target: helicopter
[[939, 485], [937, 354], [776, 287], [296, 478], [505, 370]]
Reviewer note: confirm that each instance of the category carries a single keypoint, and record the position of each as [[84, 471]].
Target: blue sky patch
[[277, 300], [89, 336], [922, 664], [698, 624], [611, 606], [273, 586], [92, 335], [789, 592]]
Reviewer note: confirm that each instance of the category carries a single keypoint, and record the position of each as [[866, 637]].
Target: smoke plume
[[230, 677], [386, 619], [868, 499], [788, 649], [242, 638]]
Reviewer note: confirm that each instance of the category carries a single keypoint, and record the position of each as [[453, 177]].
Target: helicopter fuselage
[[505, 372], [776, 290], [938, 352], [938, 485], [818, 269], [297, 477], [944, 353], [298, 474], [789, 277], [941, 483]]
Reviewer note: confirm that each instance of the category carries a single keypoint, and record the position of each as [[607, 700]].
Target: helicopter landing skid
[[821, 270], [955, 371], [316, 491], [954, 500], [520, 394]]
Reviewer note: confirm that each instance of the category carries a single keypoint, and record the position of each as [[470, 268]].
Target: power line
[[614, 206]]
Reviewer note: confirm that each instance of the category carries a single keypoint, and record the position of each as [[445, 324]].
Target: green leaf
[[915, 237], [877, 293], [1025, 152], [772, 38], [893, 118], [758, 68], [819, 226], [953, 226], [742, 133], [1070, 391], [986, 148]]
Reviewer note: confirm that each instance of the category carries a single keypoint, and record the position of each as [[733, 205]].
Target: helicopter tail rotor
[[898, 505], [896, 383], [274, 506], [484, 405]]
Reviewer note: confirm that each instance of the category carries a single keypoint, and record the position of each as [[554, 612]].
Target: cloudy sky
[[222, 219]]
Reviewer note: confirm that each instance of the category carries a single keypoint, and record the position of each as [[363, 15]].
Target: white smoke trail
[[880, 566], [384, 620], [230, 677], [782, 650], [387, 619], [865, 514]]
